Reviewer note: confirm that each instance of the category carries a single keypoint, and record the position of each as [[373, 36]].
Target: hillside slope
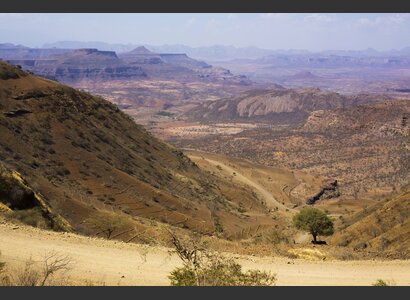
[[85, 156], [383, 227]]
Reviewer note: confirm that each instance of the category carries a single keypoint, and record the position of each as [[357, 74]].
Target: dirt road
[[270, 201], [117, 263]]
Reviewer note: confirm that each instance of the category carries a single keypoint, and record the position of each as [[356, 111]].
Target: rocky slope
[[279, 105], [84, 157]]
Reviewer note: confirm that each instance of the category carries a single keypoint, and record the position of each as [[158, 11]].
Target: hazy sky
[[271, 31]]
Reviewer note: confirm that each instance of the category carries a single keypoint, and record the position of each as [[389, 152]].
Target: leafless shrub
[[53, 263], [38, 273]]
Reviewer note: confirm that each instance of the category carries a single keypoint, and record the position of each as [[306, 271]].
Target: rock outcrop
[[277, 105], [330, 190]]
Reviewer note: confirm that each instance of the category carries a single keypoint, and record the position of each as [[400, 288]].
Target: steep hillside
[[84, 156], [383, 227], [279, 105]]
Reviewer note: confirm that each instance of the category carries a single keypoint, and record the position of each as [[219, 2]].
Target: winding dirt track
[[271, 202], [116, 263]]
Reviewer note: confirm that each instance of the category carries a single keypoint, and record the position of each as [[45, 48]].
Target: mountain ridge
[[275, 105]]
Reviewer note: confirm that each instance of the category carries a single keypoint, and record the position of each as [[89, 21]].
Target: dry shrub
[[274, 237], [107, 223], [344, 240], [216, 270], [360, 245], [2, 265], [203, 268], [381, 282], [34, 273], [33, 217]]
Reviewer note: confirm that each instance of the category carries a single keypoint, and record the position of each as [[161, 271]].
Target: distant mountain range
[[223, 52], [74, 65], [211, 53]]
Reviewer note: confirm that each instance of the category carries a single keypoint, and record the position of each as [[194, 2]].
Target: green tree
[[314, 221]]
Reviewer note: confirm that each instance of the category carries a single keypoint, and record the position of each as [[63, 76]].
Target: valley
[[114, 151]]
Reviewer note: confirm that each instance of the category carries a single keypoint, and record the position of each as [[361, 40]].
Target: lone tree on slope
[[314, 221]]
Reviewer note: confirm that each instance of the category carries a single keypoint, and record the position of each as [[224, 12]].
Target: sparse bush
[[4, 279], [242, 209], [218, 271], [380, 282], [106, 223], [360, 246], [29, 275], [277, 237], [37, 273], [32, 217], [202, 268], [2, 265], [344, 241]]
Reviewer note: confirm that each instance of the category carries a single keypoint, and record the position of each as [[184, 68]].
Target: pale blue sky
[[271, 31]]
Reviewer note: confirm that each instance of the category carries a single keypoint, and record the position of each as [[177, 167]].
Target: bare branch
[[53, 262]]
